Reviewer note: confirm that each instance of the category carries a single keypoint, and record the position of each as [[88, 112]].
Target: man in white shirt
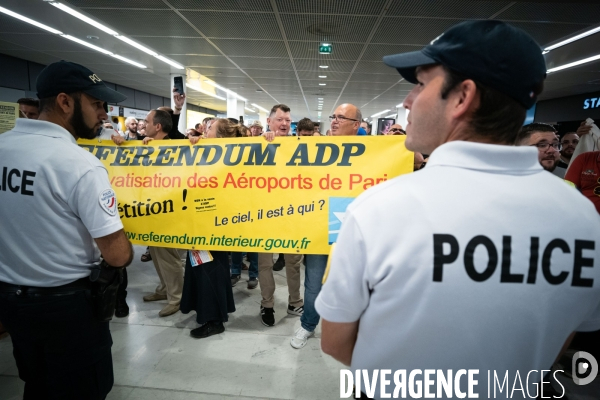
[[58, 193], [460, 266]]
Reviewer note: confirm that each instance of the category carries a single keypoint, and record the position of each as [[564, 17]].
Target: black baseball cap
[[67, 77], [492, 52]]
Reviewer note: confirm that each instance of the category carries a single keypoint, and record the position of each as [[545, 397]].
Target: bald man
[[345, 120], [396, 129]]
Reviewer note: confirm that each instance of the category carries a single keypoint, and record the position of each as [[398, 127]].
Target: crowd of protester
[[210, 294]]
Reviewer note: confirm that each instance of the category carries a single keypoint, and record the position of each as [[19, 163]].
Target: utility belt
[[63, 290], [102, 283]]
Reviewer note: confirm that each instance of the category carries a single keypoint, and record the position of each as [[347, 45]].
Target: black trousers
[[61, 351], [122, 290]]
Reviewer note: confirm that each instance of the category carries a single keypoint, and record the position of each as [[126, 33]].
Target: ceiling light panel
[[572, 39], [199, 89], [260, 108], [114, 33], [574, 64], [84, 18], [84, 43], [380, 113], [29, 21]]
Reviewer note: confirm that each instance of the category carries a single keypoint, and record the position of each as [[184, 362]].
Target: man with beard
[[542, 136], [60, 194], [132, 129], [569, 141]]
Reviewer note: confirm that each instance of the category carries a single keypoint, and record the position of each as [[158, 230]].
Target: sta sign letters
[[594, 102]]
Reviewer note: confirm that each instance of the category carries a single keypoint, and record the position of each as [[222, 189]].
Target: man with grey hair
[[345, 121]]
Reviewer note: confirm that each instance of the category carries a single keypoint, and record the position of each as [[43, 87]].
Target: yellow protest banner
[[245, 194], [9, 112]]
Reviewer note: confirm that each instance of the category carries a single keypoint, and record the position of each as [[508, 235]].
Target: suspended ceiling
[[267, 50]]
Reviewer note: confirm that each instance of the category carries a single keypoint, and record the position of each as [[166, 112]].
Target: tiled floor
[[155, 358]]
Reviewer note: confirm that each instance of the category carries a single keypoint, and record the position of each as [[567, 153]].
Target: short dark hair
[[28, 101], [48, 103], [498, 117], [305, 124], [167, 109], [526, 131], [276, 107], [164, 119]]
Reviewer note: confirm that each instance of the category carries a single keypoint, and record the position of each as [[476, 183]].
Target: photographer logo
[[584, 367]]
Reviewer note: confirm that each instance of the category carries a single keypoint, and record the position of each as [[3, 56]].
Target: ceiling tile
[[223, 5], [544, 33], [376, 52], [460, 9], [375, 67], [267, 63], [234, 25], [311, 27], [252, 48], [145, 22], [554, 12], [415, 31], [341, 51], [337, 7], [172, 45], [87, 4], [306, 64]]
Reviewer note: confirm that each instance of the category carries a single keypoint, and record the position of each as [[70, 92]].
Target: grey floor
[[155, 358]]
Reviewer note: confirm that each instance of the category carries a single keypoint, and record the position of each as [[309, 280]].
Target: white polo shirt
[[55, 198], [438, 266]]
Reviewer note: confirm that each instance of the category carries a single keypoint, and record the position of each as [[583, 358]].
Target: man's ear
[[65, 103], [465, 98]]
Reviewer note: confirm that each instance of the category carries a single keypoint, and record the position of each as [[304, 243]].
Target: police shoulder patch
[[108, 201]]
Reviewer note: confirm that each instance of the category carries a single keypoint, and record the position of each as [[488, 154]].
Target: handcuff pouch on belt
[[105, 283]]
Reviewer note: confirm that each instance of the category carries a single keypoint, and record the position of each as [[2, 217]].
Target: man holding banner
[[279, 122], [167, 261], [345, 121]]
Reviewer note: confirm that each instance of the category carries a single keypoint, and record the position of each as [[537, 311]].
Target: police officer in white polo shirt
[[58, 215], [464, 264]]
